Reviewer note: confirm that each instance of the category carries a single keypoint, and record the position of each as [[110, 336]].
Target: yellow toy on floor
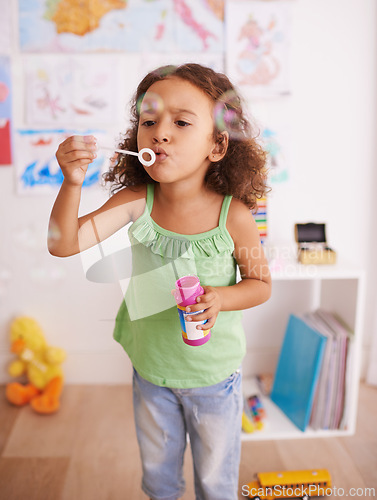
[[41, 365]]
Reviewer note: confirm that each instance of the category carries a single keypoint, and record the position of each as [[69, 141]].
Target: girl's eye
[[182, 123], [148, 123]]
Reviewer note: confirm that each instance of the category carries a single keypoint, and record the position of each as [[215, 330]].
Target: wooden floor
[[88, 450]]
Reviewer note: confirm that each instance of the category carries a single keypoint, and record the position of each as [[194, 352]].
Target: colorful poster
[[5, 112], [37, 169], [258, 46], [73, 90], [121, 25]]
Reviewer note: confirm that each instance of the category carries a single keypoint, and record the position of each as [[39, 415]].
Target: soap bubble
[[28, 238], [228, 115], [5, 279], [5, 275], [24, 237], [47, 275], [150, 103], [53, 233], [164, 71]]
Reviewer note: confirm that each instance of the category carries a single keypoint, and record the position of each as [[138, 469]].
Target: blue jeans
[[211, 416]]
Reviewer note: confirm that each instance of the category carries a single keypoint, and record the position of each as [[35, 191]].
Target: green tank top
[[147, 324]]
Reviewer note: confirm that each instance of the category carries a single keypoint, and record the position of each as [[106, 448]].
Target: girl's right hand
[[74, 156]]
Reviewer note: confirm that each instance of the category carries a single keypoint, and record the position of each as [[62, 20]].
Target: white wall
[[333, 173]]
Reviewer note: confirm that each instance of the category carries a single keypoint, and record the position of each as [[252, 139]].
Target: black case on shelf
[[311, 244]]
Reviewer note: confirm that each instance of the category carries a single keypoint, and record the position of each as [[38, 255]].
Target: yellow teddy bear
[[40, 363]]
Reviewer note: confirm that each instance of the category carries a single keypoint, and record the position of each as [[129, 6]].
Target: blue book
[[298, 371]]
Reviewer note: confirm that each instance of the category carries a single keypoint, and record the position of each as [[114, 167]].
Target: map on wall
[[258, 37], [121, 25]]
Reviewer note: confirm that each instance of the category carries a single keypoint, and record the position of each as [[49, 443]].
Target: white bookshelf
[[297, 288]]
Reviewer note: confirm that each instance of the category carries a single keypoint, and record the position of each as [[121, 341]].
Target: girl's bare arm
[[255, 285], [69, 234]]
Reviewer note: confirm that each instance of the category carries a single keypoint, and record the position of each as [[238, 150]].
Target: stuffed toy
[[41, 365]]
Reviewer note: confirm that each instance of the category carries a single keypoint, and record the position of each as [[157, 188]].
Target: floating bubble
[[47, 275], [28, 238], [5, 279], [3, 290], [5, 275], [150, 103], [165, 71], [228, 115], [53, 233]]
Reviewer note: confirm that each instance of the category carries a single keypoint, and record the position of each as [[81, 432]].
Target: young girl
[[191, 215]]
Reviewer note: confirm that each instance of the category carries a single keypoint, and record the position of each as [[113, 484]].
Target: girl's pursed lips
[[161, 154], [160, 151], [160, 157]]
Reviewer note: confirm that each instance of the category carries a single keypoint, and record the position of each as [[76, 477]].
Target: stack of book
[[310, 383], [329, 405]]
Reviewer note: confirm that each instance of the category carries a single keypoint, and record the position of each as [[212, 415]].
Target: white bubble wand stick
[[142, 160]]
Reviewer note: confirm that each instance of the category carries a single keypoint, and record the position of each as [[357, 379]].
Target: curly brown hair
[[242, 171]]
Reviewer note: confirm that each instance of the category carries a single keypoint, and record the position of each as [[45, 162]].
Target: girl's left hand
[[210, 301]]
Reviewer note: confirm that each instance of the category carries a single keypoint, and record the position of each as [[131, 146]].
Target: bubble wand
[[142, 160]]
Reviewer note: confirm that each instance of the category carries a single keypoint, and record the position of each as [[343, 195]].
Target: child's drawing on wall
[[277, 155], [258, 35], [37, 170], [257, 63]]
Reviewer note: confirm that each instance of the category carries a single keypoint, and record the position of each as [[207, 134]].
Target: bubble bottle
[[187, 289]]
